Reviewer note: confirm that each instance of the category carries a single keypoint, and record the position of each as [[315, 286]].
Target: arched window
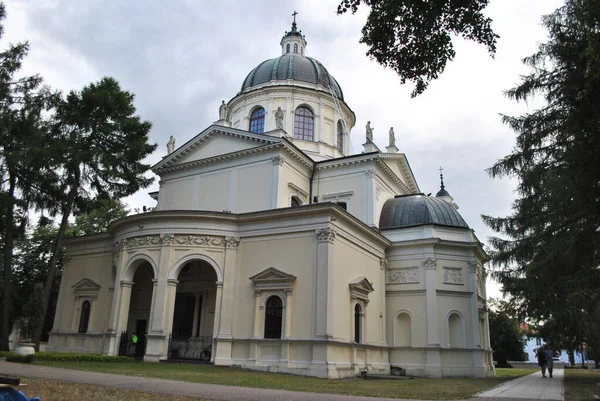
[[358, 324], [304, 124], [287, 48], [340, 136], [295, 47], [273, 317], [403, 331], [257, 121], [85, 317]]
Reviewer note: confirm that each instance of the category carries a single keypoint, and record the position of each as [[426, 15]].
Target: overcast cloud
[[182, 57]]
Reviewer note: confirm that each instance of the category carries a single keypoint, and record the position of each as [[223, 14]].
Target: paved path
[[533, 387]]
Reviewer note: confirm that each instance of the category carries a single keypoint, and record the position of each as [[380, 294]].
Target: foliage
[[414, 37], [20, 358], [73, 357], [102, 213], [580, 385], [549, 254], [23, 149], [506, 337]]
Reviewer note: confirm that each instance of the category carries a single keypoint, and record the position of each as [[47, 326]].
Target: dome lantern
[[293, 41]]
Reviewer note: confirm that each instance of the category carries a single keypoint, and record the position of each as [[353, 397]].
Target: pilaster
[[324, 301], [369, 197]]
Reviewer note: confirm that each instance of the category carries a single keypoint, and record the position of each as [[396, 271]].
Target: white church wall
[[253, 188], [294, 182], [218, 145]]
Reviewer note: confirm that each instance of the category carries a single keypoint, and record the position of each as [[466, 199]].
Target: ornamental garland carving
[[325, 234], [119, 246], [405, 276], [453, 276], [194, 240], [167, 239], [429, 263], [143, 241]]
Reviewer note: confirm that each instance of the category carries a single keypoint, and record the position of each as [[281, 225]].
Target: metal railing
[[195, 348]]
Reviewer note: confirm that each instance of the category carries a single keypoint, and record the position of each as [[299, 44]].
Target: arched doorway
[[133, 338], [194, 312]]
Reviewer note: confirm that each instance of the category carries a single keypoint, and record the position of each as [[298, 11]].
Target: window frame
[[340, 136], [84, 316], [304, 123], [273, 332], [258, 121]]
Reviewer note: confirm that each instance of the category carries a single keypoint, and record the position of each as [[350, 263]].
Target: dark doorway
[[183, 320], [140, 331]]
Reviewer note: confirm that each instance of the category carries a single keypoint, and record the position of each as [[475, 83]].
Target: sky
[[181, 58]]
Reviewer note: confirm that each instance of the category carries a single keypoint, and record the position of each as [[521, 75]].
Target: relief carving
[[232, 242], [325, 234], [119, 246], [383, 263], [203, 241], [167, 239], [143, 241], [277, 161], [405, 276], [429, 263], [453, 276]]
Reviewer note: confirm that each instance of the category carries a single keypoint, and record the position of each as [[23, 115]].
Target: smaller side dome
[[418, 210]]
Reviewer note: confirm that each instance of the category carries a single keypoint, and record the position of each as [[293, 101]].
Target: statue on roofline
[[369, 132], [279, 118], [223, 111], [392, 137], [171, 145]]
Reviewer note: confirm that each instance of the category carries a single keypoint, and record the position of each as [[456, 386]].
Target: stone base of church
[[443, 362], [88, 343], [324, 359]]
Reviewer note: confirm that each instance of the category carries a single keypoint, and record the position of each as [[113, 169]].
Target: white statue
[[171, 145], [392, 137], [279, 118], [223, 111], [369, 132]]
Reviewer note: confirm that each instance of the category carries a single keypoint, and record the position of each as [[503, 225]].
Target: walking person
[[549, 361], [541, 357]]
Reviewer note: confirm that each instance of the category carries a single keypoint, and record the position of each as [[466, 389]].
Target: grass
[[430, 389], [514, 372], [50, 390], [580, 384]]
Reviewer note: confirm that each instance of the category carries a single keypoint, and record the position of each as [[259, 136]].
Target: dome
[[292, 66], [442, 192], [418, 210]]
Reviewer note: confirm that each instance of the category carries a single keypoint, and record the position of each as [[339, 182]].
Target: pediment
[[361, 284], [215, 141], [398, 163], [86, 287], [271, 275]]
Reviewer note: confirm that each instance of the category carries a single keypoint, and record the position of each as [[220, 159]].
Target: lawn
[[580, 384], [430, 389], [50, 390]]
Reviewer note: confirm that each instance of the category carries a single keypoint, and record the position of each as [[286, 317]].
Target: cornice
[[404, 167], [207, 135]]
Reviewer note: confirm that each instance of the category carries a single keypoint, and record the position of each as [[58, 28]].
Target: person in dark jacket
[[541, 357]]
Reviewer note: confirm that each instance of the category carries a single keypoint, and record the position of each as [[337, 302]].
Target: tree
[[414, 37], [102, 147], [548, 255], [506, 337], [23, 139], [97, 220]]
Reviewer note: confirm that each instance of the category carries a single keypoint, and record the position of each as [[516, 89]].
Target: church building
[[272, 247]]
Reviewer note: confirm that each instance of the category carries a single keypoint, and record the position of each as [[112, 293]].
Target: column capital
[[167, 239], [125, 284], [429, 263], [288, 291], [278, 161], [219, 284], [383, 263], [326, 235], [257, 293]]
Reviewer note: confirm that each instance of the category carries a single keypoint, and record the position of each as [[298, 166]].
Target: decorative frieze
[[143, 241], [325, 234], [119, 246], [167, 239], [405, 276], [453, 276], [232, 242], [429, 263], [196, 240]]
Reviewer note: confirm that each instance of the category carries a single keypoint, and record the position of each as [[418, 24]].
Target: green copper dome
[[418, 210], [292, 66]]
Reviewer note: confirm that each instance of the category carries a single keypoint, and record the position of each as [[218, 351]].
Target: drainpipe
[[310, 192]]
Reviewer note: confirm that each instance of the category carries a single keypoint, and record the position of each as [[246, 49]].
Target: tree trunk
[[8, 254], [37, 332]]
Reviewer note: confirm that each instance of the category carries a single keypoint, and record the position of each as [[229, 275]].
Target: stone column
[[123, 312], [170, 310], [217, 321], [369, 197], [157, 331], [257, 313], [112, 333], [324, 318], [270, 116], [434, 356], [319, 130], [289, 121], [288, 313], [474, 310], [274, 199], [196, 322], [224, 344], [382, 312]]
